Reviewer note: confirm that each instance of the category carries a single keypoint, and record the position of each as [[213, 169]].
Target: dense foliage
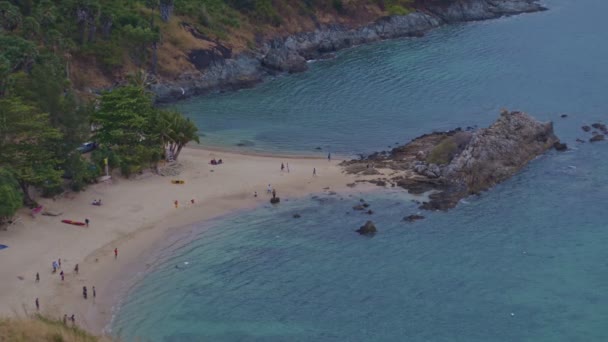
[[43, 120]]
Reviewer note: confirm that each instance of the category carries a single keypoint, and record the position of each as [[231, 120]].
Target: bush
[[338, 5], [398, 10], [443, 152]]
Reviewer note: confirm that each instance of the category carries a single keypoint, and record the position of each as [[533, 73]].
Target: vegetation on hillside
[[42, 329], [43, 119]]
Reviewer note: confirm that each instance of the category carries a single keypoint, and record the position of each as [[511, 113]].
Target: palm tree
[[174, 131]]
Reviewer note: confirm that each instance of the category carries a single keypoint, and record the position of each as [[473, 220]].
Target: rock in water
[[460, 163], [413, 218], [275, 200], [367, 229], [586, 128], [559, 146], [597, 137], [296, 216]]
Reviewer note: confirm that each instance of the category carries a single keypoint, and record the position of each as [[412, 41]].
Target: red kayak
[[76, 223]]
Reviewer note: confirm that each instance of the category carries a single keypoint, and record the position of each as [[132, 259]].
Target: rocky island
[[460, 162]]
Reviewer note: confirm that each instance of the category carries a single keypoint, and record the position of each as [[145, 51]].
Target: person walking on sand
[[314, 171], [86, 221], [329, 156], [255, 194], [37, 277], [55, 266], [76, 269], [59, 261], [115, 253], [176, 204], [84, 292], [73, 319], [274, 193], [37, 304], [269, 190], [94, 292], [287, 167], [282, 167], [61, 274]]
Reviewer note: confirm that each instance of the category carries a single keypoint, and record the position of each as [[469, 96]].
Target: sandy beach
[[136, 214]]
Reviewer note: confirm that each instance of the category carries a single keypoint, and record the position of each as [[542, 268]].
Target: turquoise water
[[526, 261]]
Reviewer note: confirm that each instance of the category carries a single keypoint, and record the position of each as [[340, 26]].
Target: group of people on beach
[[56, 264]]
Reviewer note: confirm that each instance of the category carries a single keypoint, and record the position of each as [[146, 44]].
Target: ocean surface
[[526, 261]]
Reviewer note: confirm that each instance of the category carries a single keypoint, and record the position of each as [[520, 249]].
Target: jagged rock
[[586, 128], [365, 205], [470, 161], [275, 200], [367, 229], [559, 146], [296, 216], [599, 126], [413, 218], [597, 137]]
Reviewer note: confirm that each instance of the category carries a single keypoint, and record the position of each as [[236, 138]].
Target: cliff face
[[460, 163], [289, 54]]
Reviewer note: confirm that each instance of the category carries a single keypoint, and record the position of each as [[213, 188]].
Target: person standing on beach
[[269, 190], [314, 171], [73, 319], [55, 266], [94, 292], [59, 262], [282, 167], [37, 277], [255, 194], [287, 167], [84, 292], [115, 253], [65, 319], [176, 204], [329, 156], [86, 221], [37, 304], [61, 274], [76, 269]]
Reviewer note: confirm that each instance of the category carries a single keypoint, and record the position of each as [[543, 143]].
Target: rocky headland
[[461, 162], [219, 69]]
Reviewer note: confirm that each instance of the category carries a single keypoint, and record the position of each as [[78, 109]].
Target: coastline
[[291, 53], [136, 215]]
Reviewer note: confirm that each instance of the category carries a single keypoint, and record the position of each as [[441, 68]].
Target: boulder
[[580, 140], [564, 116], [600, 126], [413, 218], [296, 216], [367, 229], [597, 137], [586, 128], [559, 146], [358, 207]]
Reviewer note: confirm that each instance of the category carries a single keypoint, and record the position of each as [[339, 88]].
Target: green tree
[[10, 16], [26, 145], [176, 131], [11, 198], [125, 122]]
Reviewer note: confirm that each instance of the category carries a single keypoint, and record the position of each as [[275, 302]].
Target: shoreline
[[138, 215]]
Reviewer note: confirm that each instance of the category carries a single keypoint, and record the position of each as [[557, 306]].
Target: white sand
[[135, 214]]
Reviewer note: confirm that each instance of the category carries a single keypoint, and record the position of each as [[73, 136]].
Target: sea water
[[526, 261]]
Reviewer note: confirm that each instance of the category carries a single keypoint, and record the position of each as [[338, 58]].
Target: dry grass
[[41, 329]]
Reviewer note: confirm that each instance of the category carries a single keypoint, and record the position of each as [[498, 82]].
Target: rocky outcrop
[[460, 163], [596, 138], [367, 229], [220, 70], [413, 218]]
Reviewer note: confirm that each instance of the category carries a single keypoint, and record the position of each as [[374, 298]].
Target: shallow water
[[526, 261]]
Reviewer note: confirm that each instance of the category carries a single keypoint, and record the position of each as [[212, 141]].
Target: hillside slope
[[179, 42]]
